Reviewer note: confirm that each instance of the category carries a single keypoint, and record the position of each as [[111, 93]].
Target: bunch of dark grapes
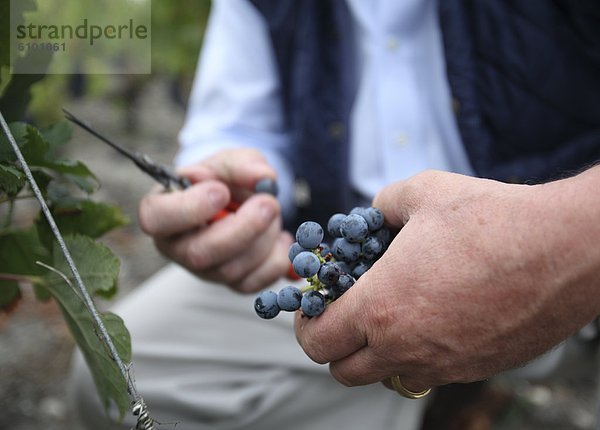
[[359, 239]]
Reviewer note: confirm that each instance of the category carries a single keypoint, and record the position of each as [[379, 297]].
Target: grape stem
[[307, 288]]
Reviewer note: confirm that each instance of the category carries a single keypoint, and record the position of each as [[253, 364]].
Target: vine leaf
[[38, 148], [19, 131], [11, 180], [79, 217], [19, 250], [97, 265], [58, 134], [99, 269], [110, 384], [36, 152]]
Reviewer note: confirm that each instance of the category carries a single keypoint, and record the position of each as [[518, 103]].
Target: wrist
[[572, 213]]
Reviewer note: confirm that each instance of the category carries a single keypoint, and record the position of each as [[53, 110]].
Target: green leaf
[[110, 384], [93, 219], [58, 134], [19, 252], [99, 270], [97, 265], [61, 196], [19, 132], [80, 217], [37, 151], [11, 180], [35, 148]]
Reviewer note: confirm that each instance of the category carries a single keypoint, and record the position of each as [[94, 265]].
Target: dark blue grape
[[354, 228], [294, 250], [266, 305], [334, 223], [267, 185], [359, 210], [346, 251], [343, 284], [289, 298], [374, 218], [371, 248], [360, 269], [325, 249], [327, 294], [313, 304], [385, 235], [309, 235], [329, 273], [306, 264], [344, 267]]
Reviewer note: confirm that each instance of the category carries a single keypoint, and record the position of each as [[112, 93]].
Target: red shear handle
[[265, 185]]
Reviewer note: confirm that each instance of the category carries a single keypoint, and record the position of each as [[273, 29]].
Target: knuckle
[[146, 216], [199, 258], [253, 153], [251, 228], [231, 272], [247, 286], [314, 350], [340, 375], [188, 210], [425, 175], [425, 179]]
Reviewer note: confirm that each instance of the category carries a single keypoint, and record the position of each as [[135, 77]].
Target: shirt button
[[455, 106], [392, 43], [336, 130], [401, 140]]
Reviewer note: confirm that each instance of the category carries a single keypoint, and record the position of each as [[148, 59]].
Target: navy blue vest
[[524, 75]]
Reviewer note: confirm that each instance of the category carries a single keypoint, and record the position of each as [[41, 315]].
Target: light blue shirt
[[401, 121]]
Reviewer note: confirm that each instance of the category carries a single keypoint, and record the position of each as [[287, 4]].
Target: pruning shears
[[164, 175], [159, 172]]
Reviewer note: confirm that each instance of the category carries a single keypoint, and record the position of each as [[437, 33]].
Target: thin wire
[[105, 337]]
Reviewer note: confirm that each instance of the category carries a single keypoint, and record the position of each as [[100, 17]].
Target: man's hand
[[482, 277], [246, 250]]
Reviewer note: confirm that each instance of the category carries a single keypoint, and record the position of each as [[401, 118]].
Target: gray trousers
[[204, 360]]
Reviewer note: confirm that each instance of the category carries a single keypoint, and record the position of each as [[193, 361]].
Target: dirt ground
[[35, 347]]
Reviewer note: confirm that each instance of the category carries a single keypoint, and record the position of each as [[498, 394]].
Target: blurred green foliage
[[177, 32]]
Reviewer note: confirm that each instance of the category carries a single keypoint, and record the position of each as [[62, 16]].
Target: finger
[[367, 366], [335, 334], [276, 266], [408, 383], [207, 248], [164, 214], [360, 368], [241, 265], [242, 167]]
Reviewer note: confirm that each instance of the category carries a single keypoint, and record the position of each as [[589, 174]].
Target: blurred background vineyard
[[177, 31]]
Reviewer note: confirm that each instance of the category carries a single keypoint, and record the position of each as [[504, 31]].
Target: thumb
[[336, 333], [400, 200]]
